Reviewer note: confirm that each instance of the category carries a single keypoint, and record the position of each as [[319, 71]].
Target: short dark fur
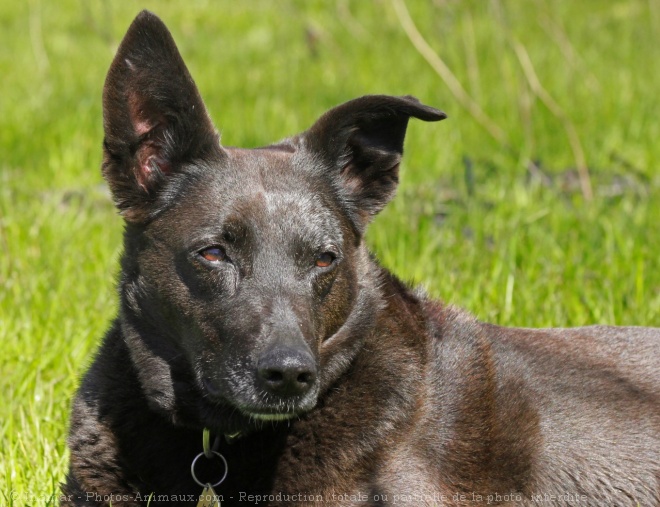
[[248, 296]]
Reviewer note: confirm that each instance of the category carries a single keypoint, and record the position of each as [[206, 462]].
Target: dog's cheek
[[323, 285], [199, 286], [336, 303], [211, 288], [194, 294]]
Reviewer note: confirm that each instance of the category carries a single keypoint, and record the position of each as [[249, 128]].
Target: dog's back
[[596, 398], [531, 417]]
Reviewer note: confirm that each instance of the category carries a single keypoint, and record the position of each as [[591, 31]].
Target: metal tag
[[208, 498]]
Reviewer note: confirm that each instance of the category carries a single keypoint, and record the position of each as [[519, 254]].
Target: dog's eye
[[214, 254], [325, 259]]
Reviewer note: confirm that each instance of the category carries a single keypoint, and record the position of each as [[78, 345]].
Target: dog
[[261, 355]]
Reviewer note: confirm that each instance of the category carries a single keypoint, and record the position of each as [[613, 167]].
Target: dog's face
[[248, 263], [251, 267]]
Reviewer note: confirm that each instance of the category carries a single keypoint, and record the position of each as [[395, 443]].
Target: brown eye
[[325, 259], [214, 254]]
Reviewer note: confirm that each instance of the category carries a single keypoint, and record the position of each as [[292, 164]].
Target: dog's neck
[[350, 337]]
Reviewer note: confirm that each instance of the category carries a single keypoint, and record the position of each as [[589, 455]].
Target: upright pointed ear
[[153, 116], [361, 143]]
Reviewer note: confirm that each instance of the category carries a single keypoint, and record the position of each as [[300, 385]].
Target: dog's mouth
[[258, 407]]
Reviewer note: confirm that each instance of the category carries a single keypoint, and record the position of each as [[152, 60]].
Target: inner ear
[[153, 148], [371, 167], [152, 164], [143, 118], [376, 145]]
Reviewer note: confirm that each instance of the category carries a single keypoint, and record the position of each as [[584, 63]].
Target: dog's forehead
[[264, 169], [262, 190], [272, 180]]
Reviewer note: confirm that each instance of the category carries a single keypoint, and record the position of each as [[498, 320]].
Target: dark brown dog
[[251, 307]]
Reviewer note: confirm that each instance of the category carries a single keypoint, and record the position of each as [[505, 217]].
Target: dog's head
[[246, 265]]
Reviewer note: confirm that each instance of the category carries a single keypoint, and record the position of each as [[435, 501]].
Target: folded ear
[[153, 116], [361, 142]]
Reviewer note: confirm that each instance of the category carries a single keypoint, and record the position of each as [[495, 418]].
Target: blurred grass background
[[536, 203]]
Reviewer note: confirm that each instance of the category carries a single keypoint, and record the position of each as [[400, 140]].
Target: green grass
[[470, 222]]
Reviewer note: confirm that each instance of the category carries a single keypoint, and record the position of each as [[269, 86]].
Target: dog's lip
[[272, 413], [275, 413], [270, 416]]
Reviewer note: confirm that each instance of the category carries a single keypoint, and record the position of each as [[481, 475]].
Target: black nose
[[286, 371]]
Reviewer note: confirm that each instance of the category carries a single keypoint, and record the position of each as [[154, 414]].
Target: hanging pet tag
[[208, 498]]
